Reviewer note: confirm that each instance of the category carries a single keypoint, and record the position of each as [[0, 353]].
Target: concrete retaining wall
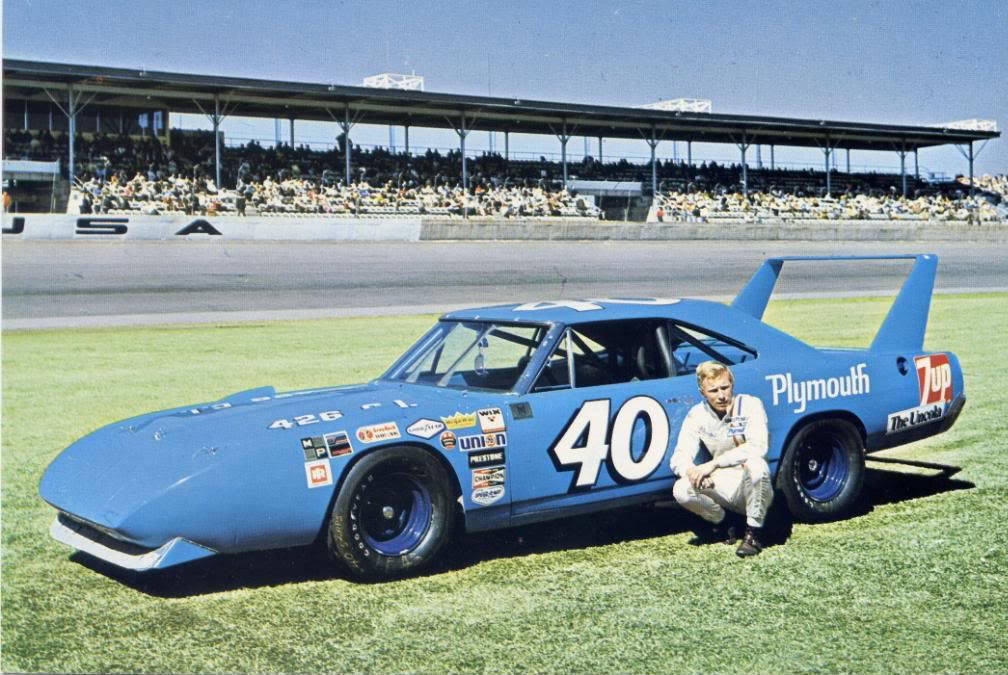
[[134, 226]]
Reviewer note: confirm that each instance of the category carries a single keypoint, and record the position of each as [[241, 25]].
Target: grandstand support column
[[216, 118], [848, 160], [74, 106], [564, 136], [406, 138], [689, 153], [653, 144], [916, 164], [903, 181], [600, 149], [291, 132], [216, 136], [346, 124], [745, 174], [462, 133], [829, 183], [507, 148], [771, 157]]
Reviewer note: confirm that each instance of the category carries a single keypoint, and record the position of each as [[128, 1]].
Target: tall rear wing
[[903, 327]]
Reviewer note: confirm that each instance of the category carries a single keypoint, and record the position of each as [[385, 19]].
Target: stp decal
[[318, 473], [934, 379], [385, 431]]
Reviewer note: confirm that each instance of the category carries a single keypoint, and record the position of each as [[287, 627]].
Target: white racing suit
[[738, 442]]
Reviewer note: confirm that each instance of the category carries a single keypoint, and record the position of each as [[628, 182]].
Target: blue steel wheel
[[393, 512], [822, 470]]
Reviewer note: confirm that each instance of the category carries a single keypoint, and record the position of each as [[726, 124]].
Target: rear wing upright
[[903, 327]]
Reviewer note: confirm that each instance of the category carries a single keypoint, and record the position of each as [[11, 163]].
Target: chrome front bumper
[[122, 554]]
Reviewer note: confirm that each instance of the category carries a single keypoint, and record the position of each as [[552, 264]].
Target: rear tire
[[393, 513], [822, 470]]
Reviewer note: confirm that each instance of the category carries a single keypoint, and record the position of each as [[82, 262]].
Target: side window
[[691, 346], [608, 352], [556, 372]]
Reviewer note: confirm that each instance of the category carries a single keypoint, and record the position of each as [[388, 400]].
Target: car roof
[[707, 314], [573, 312]]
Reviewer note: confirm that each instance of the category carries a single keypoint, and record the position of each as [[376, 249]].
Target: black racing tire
[[822, 470], [394, 511]]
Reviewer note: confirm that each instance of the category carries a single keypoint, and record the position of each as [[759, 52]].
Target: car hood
[[203, 471]]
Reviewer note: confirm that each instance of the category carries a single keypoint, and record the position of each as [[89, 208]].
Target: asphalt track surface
[[87, 283]]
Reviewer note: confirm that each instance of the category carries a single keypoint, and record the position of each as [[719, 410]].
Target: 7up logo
[[934, 378]]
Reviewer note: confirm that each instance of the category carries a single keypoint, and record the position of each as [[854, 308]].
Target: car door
[[599, 421]]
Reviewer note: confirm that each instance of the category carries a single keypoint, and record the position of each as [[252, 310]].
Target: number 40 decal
[[592, 422]]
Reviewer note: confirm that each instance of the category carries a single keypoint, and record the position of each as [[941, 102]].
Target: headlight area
[[102, 544]]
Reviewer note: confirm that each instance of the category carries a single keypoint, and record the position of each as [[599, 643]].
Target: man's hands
[[700, 476]]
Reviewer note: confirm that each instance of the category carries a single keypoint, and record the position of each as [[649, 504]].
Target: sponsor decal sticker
[[459, 420], [425, 428], [314, 448], [934, 379], [488, 495], [803, 392], [482, 441], [318, 473], [905, 420], [447, 439], [483, 478], [385, 431], [491, 420], [488, 458], [338, 444]]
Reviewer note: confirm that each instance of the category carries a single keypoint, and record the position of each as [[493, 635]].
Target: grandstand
[[129, 160]]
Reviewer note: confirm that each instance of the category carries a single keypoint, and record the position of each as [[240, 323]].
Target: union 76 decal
[[582, 444]]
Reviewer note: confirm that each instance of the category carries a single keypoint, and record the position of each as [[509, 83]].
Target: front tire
[[393, 513], [822, 470]]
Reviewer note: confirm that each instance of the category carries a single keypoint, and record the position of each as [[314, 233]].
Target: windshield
[[469, 355]]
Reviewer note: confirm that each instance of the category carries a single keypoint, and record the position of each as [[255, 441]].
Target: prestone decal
[[855, 383], [488, 458]]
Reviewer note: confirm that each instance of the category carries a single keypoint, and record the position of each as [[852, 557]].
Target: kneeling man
[[733, 429]]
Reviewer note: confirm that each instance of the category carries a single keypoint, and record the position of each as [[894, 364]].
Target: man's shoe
[[750, 543], [725, 532]]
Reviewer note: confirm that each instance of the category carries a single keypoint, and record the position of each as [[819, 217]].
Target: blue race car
[[497, 417]]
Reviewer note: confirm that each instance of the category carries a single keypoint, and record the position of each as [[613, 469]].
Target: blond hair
[[711, 370]]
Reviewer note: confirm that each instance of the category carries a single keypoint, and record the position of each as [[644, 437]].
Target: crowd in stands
[[777, 204], [117, 173]]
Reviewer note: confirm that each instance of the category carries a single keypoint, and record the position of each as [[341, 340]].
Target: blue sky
[[877, 61]]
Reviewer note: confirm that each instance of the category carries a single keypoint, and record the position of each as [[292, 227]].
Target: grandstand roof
[[146, 90]]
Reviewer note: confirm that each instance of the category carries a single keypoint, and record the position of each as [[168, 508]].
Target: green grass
[[916, 583]]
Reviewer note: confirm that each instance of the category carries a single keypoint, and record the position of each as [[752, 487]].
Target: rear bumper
[[122, 554], [881, 441]]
